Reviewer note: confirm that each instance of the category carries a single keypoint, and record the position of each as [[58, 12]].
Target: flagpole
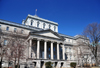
[[35, 12]]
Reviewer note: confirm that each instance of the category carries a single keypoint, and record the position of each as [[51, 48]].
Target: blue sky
[[71, 15]]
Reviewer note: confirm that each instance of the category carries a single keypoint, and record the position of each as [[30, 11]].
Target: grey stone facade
[[45, 43]]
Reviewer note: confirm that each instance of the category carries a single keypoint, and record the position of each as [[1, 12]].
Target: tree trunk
[[1, 62], [81, 62], [96, 61], [18, 63], [8, 63], [15, 63]]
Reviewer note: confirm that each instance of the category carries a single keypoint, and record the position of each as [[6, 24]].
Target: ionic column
[[45, 49], [38, 48], [63, 52], [30, 44], [51, 50], [57, 51]]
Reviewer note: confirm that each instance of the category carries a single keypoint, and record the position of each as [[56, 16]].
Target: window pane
[[0, 26], [22, 31], [7, 28], [15, 29], [5, 42], [38, 24], [69, 49], [43, 25], [49, 26], [31, 22]]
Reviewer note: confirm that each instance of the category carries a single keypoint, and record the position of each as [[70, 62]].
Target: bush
[[73, 64], [48, 65], [17, 66]]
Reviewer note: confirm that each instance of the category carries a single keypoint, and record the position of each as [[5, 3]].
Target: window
[[5, 42], [22, 31], [31, 55], [69, 40], [7, 28], [0, 26], [31, 22], [49, 48], [54, 28], [49, 26], [43, 25], [38, 24], [66, 49], [11, 53], [15, 30], [54, 49], [66, 57], [69, 49], [54, 57], [70, 57]]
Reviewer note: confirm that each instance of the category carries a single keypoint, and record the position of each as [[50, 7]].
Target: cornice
[[41, 19]]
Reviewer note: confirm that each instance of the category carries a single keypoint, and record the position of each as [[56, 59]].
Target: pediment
[[48, 33]]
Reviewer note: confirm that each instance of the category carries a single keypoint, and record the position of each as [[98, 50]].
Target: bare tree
[[9, 51], [3, 47], [18, 48], [8, 55], [92, 31], [82, 50]]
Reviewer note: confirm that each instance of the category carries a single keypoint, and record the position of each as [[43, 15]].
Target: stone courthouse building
[[45, 43]]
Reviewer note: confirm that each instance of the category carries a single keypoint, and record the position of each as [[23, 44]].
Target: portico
[[46, 48]]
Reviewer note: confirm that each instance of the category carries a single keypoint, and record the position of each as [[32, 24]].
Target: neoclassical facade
[[45, 43]]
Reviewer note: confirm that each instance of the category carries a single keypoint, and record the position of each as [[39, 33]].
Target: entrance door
[[55, 64], [61, 65], [34, 64], [42, 64]]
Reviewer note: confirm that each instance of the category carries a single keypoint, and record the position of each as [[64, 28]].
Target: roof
[[38, 18], [66, 36], [36, 29], [19, 25]]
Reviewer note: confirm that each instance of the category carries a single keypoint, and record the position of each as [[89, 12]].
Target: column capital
[[30, 38], [58, 42], [39, 39], [52, 41], [45, 40]]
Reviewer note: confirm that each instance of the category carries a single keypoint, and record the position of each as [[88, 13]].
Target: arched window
[[54, 28], [31, 22], [43, 25], [49, 26], [38, 24]]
